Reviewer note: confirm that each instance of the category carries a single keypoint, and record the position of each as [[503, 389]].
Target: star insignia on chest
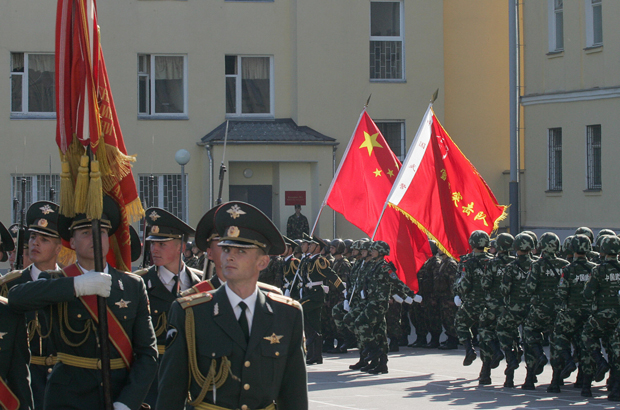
[[123, 304], [154, 216], [2, 334], [46, 209], [273, 339], [235, 212]]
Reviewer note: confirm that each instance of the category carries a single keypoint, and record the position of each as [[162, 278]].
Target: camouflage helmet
[[493, 244], [581, 244], [356, 245], [549, 242], [567, 246], [365, 245], [479, 239], [382, 247], [584, 230], [534, 238], [523, 242], [610, 245], [434, 247], [339, 245], [599, 237], [504, 242], [348, 244]]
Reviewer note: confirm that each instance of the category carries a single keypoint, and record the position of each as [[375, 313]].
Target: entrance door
[[257, 195]]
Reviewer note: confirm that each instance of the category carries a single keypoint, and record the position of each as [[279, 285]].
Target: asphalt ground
[[422, 378]]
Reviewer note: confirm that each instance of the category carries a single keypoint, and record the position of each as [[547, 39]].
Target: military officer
[[68, 296], [169, 276], [44, 245], [297, 225], [238, 347]]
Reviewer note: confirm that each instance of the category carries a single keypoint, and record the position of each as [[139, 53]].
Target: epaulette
[[321, 262], [284, 299], [295, 264], [11, 276], [140, 272], [4, 300], [195, 299], [269, 288]]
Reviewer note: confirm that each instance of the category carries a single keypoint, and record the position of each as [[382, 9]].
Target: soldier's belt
[[161, 349], [43, 360], [310, 285], [208, 406], [88, 363]]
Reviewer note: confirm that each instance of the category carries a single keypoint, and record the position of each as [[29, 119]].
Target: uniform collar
[[234, 299], [35, 272]]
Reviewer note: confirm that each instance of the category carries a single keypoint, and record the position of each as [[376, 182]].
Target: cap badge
[[154, 229], [235, 212], [15, 229], [154, 216], [42, 222], [233, 232], [46, 209]]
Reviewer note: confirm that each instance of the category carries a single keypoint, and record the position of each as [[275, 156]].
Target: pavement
[[421, 378]]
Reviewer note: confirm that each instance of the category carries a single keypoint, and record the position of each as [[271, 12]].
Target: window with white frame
[[32, 85], [593, 163], [556, 25], [41, 187], [386, 40], [555, 159], [249, 85], [163, 191], [394, 134], [594, 23], [162, 85]]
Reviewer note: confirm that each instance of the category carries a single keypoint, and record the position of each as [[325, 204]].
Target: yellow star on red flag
[[377, 172], [370, 141]]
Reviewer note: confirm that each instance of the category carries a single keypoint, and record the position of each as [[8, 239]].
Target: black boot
[[434, 343], [485, 374], [317, 350], [554, 386], [511, 361], [529, 380], [569, 364], [541, 359], [510, 378], [403, 341], [420, 341], [328, 344], [381, 368], [451, 343], [601, 365], [579, 381], [586, 388], [470, 353], [498, 355], [614, 391], [371, 365], [361, 363], [373, 352], [393, 346]]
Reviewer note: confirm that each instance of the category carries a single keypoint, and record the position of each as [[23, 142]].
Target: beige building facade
[[180, 69]]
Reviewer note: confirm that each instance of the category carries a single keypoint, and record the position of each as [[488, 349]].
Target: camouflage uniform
[[418, 313], [272, 274], [342, 267], [444, 279], [394, 314], [296, 226]]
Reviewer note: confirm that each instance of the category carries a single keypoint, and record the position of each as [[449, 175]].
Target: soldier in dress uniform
[[289, 265], [12, 254], [169, 276], [238, 347], [200, 257], [15, 393], [68, 294], [44, 245]]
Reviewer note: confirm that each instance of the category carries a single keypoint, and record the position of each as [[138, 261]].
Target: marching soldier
[[237, 347], [342, 268], [12, 253], [443, 285], [289, 265], [68, 296], [169, 276]]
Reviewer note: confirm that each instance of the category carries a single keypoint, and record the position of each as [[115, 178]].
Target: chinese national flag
[[359, 189], [441, 191]]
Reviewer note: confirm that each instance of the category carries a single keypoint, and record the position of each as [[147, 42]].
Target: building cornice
[[571, 96]]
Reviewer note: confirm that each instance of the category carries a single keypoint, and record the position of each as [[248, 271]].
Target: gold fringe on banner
[[66, 257], [134, 210], [94, 204], [118, 165], [67, 198], [81, 186]]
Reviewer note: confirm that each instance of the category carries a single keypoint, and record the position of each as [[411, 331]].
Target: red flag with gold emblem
[[358, 192], [441, 191]]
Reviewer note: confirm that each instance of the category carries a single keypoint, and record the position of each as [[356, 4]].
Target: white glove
[[345, 305], [408, 300], [287, 293], [363, 294], [344, 284], [457, 301], [397, 298], [120, 406], [93, 283], [417, 298]]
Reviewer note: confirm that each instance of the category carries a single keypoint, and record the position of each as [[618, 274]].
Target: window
[[32, 85], [249, 86], [163, 191], [37, 188], [555, 159], [556, 25], [594, 157], [594, 23], [394, 134], [386, 40], [162, 86]]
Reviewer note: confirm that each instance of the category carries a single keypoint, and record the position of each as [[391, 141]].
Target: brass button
[[247, 364], [244, 407], [79, 315], [155, 311], [277, 353], [49, 370], [213, 354], [246, 387], [124, 317]]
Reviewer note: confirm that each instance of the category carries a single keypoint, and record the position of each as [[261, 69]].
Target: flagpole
[[329, 190]]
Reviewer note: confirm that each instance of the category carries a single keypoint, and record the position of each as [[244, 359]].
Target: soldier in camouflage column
[[418, 313], [542, 285], [603, 289], [490, 350], [575, 309], [400, 293], [517, 304], [591, 254], [443, 285], [272, 273], [342, 267], [470, 285], [430, 308]]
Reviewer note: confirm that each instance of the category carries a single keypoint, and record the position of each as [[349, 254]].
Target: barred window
[[43, 187], [394, 134], [386, 40], [555, 159], [163, 191], [594, 168]]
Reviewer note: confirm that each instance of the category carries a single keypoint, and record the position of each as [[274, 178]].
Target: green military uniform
[[296, 226], [443, 284], [342, 268], [14, 357], [272, 273], [418, 313], [400, 292]]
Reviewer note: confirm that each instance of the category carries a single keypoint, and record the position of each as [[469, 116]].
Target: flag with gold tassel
[[93, 155]]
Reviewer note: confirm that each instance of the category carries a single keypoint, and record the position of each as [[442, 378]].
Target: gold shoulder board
[[140, 272], [188, 292], [295, 264], [195, 299], [10, 276], [4, 300], [284, 299], [269, 288], [322, 263]]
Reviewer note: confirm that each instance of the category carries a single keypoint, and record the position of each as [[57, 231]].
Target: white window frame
[[590, 23], [400, 38], [554, 170], [238, 88], [553, 11], [591, 165], [403, 138], [24, 113], [151, 114], [32, 195]]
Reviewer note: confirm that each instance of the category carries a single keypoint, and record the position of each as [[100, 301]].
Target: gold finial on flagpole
[[434, 97], [368, 101]]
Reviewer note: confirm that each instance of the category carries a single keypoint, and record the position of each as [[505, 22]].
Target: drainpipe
[[513, 16]]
